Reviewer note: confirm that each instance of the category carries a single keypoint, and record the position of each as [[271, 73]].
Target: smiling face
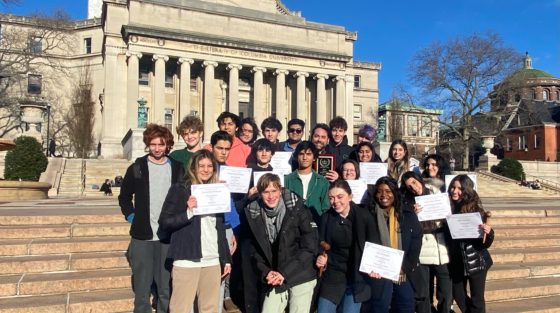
[[271, 196], [384, 196], [340, 201], [295, 133], [157, 148], [398, 152], [246, 133], [192, 138], [456, 191], [348, 171], [413, 185], [432, 168], [204, 170], [320, 138], [228, 125], [365, 154], [338, 134]]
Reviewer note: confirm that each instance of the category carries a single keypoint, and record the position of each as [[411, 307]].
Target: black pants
[[443, 288], [477, 282]]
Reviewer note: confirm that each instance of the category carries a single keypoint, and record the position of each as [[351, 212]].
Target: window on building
[[357, 81], [412, 125], [357, 112], [558, 95], [508, 144], [537, 140], [36, 45], [522, 143], [194, 84], [34, 84], [426, 127], [545, 95], [1, 31], [168, 120], [144, 68], [533, 94], [87, 45], [170, 72]]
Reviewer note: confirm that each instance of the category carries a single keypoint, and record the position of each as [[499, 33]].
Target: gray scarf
[[273, 219]]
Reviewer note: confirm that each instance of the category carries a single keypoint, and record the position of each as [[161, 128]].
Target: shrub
[[26, 161], [510, 168]]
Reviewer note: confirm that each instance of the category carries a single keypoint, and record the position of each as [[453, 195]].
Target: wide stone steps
[[507, 289], [548, 304], [513, 231], [524, 270], [63, 245], [61, 231]]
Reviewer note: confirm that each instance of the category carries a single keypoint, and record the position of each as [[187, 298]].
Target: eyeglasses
[[295, 130], [245, 130]]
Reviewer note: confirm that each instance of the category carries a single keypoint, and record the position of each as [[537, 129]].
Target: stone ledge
[[23, 190]]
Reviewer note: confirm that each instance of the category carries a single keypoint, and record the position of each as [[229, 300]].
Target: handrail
[[544, 185], [542, 180]]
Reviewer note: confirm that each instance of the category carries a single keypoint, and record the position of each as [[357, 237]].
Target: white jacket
[[434, 249]]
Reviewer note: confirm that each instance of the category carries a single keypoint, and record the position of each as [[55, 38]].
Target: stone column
[[133, 72], [281, 105], [209, 99], [349, 116], [158, 104], [340, 107], [233, 96], [259, 107], [300, 102], [321, 98], [184, 87], [114, 102]]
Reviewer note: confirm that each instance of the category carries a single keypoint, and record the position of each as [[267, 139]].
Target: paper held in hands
[[385, 261], [237, 178], [359, 188], [434, 207], [211, 198], [280, 162], [371, 172], [464, 226]]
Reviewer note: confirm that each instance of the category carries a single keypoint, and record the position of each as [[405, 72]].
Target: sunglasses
[[295, 130]]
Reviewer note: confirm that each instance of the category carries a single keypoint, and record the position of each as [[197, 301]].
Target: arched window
[[545, 95]]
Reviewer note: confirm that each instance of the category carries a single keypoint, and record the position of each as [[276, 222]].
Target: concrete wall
[[539, 169]]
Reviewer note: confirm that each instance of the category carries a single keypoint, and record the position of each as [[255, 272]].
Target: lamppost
[[48, 126]]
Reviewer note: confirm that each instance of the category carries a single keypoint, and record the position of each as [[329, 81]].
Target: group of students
[[295, 243]]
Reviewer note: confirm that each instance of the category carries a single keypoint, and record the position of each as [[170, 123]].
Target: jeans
[[147, 260], [347, 304], [399, 298]]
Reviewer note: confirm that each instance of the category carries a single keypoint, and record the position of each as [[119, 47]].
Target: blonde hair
[[192, 169]]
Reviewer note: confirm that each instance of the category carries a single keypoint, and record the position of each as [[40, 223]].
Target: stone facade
[[254, 58]]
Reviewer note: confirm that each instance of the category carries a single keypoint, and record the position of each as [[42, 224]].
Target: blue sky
[[391, 32]]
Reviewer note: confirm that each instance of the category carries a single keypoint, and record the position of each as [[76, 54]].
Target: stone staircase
[[64, 256], [96, 171], [71, 182]]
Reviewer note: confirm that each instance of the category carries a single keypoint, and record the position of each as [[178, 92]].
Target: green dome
[[527, 73]]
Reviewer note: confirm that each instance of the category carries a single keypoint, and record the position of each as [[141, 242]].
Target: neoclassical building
[[252, 57]]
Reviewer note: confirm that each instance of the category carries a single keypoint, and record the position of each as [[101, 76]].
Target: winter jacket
[[184, 232], [341, 151], [136, 184], [293, 252], [317, 199]]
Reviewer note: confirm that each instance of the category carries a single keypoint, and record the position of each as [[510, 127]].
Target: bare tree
[[30, 45], [80, 118], [459, 74]]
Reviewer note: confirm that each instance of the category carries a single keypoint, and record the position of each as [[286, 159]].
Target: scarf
[[273, 219], [389, 231]]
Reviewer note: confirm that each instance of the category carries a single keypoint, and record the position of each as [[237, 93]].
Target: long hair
[[192, 170], [406, 192], [392, 183], [443, 167], [370, 146], [470, 201], [354, 163], [396, 168]]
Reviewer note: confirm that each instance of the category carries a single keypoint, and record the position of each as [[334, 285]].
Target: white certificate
[[237, 178], [257, 176], [448, 179], [465, 225], [434, 207], [370, 172], [280, 162], [383, 260], [359, 188], [211, 198]]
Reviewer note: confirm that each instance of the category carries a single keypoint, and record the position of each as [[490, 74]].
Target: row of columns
[[343, 93]]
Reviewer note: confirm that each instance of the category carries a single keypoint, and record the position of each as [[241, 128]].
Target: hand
[[417, 208], [274, 278], [485, 228], [331, 176], [374, 275], [227, 270], [321, 261], [191, 203], [232, 245], [252, 191]]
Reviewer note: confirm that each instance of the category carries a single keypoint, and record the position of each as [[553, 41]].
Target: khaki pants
[[298, 299], [201, 282]]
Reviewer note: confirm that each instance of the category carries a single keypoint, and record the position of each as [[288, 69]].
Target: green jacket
[[182, 156], [317, 199]]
